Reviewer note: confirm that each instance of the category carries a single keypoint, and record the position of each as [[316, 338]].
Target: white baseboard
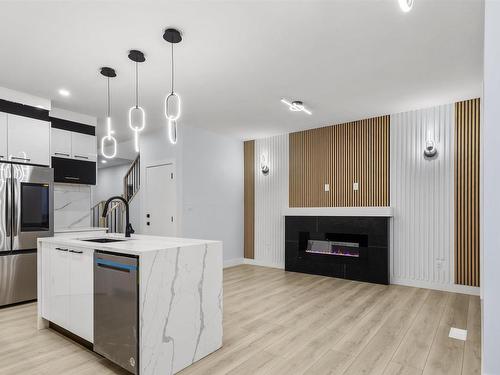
[[464, 289], [233, 262], [255, 262]]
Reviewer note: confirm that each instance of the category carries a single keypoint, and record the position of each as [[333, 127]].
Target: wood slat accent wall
[[340, 155], [249, 198], [467, 184]]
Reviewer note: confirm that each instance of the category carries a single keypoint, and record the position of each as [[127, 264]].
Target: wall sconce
[[430, 149], [264, 165]]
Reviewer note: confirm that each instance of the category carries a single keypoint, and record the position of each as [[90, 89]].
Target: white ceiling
[[345, 59]]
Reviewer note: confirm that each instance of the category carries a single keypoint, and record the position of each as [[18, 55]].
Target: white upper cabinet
[[83, 146], [60, 143], [68, 144], [3, 136], [28, 140]]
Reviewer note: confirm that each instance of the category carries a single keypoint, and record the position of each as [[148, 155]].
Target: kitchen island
[[178, 305]]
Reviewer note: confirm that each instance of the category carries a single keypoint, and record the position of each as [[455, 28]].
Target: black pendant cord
[[136, 85], [109, 105], [172, 91]]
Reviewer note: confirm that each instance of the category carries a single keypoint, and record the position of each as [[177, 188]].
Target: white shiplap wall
[[271, 197], [422, 198]]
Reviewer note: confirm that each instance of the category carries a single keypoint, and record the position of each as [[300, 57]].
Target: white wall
[[213, 189], [209, 184], [271, 197], [422, 197], [109, 182], [491, 187]]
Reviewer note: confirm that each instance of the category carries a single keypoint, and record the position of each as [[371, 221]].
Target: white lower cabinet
[[69, 285], [59, 286], [81, 300]]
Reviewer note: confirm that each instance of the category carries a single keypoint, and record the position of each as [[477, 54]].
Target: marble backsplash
[[72, 205]]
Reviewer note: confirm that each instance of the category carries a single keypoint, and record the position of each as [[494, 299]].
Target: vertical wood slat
[[249, 199], [467, 188], [340, 155]]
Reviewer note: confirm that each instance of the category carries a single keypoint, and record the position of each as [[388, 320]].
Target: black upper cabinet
[[74, 171]]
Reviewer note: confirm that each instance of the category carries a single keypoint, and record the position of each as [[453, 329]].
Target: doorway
[[160, 201]]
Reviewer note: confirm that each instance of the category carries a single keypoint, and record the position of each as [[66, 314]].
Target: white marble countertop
[[135, 245], [82, 229]]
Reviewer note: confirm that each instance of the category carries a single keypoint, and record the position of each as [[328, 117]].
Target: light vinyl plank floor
[[278, 322]]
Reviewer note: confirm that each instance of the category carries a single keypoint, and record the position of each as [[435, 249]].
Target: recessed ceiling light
[[104, 161], [296, 106], [64, 92], [406, 5]]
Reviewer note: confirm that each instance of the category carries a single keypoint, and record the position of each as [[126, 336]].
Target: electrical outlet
[[327, 187], [355, 186]]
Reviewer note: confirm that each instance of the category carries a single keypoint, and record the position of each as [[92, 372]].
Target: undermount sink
[[103, 240]]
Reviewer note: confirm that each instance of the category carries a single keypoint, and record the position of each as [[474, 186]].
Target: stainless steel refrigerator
[[26, 213]]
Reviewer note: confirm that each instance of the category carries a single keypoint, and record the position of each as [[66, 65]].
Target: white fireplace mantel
[[338, 211]]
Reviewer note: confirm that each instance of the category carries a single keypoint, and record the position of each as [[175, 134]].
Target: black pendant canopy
[[136, 56], [172, 35], [108, 72]]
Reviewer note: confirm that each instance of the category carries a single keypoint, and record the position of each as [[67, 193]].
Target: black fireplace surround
[[355, 248]]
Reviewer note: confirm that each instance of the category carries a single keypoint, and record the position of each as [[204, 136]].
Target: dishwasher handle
[[104, 263]]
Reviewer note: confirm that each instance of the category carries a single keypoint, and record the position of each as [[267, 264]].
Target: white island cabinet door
[[81, 302], [60, 143], [84, 146], [28, 140], [3, 136], [59, 287]]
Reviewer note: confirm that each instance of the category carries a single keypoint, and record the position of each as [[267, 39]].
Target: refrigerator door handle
[[8, 206], [15, 209]]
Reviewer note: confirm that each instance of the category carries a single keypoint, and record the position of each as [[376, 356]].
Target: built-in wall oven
[[26, 213]]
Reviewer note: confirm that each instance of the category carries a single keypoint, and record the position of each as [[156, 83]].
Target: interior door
[[161, 201]]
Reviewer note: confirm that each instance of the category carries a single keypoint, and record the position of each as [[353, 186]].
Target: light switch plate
[[327, 187], [355, 186]]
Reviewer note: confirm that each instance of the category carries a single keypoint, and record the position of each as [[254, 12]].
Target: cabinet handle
[[81, 157], [72, 178], [2, 157], [18, 158], [61, 153], [76, 251], [61, 249]]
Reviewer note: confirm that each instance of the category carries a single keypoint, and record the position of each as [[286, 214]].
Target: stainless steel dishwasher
[[116, 309]]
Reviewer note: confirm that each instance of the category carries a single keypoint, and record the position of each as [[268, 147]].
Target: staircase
[[115, 218]]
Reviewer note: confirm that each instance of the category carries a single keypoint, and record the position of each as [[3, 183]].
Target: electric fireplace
[[355, 248]]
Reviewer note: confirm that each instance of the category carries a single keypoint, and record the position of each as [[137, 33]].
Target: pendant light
[[406, 5], [173, 100], [136, 114], [108, 73]]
